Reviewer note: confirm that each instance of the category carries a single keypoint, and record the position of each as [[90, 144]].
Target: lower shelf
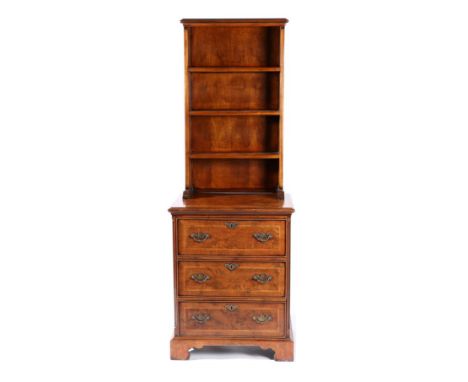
[[190, 193]]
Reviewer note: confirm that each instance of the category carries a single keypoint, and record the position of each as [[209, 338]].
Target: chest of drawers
[[231, 273]]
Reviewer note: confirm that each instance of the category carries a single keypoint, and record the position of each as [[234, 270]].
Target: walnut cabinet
[[232, 224]]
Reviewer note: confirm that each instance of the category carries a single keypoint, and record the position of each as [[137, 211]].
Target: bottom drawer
[[232, 319]]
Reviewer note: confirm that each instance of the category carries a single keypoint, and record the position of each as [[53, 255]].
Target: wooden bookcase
[[231, 229], [234, 106]]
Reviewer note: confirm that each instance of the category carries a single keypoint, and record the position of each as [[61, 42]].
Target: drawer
[[232, 319], [231, 237], [240, 279]]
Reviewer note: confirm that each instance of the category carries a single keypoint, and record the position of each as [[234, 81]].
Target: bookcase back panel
[[234, 46], [235, 91], [234, 134], [234, 174]]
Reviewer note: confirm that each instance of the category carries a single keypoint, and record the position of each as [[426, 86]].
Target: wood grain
[[235, 175], [233, 112], [239, 323], [254, 206], [234, 134], [234, 70], [225, 241], [235, 91], [283, 348], [234, 155], [281, 103], [240, 46], [224, 282], [188, 171], [233, 22], [231, 231]]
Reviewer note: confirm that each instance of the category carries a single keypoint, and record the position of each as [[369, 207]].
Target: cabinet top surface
[[234, 21], [233, 203]]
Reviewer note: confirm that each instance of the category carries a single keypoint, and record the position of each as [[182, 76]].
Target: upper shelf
[[233, 69], [234, 112]]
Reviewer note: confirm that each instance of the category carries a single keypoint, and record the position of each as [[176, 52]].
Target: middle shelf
[[236, 155], [233, 69], [235, 112]]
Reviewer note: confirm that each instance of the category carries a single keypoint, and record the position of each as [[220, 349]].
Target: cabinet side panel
[[280, 96], [175, 275], [188, 171]]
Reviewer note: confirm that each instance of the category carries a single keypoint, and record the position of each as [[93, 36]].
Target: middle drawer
[[237, 279]]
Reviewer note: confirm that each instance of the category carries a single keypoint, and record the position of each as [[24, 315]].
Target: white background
[[91, 157]]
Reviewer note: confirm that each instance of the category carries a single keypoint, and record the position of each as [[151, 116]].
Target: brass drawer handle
[[199, 237], [262, 318], [231, 307], [231, 266], [200, 278], [231, 225], [262, 237], [262, 278], [201, 318]]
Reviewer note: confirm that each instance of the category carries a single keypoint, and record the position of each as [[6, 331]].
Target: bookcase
[[234, 106], [231, 227]]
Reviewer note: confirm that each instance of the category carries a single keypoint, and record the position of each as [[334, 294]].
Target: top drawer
[[231, 237]]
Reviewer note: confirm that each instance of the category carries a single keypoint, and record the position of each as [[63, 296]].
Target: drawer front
[[240, 279], [232, 319], [231, 237]]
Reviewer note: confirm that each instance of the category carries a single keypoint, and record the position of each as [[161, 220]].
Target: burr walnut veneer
[[231, 226], [231, 273]]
